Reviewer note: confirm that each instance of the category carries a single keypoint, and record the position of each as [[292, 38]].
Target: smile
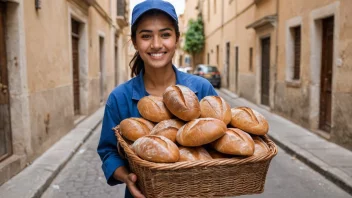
[[157, 55]]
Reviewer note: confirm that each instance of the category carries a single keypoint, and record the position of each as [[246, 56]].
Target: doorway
[[75, 66], [326, 74], [116, 60], [5, 119], [101, 67], [227, 65], [265, 71]]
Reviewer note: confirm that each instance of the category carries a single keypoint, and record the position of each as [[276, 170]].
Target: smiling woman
[[155, 34]]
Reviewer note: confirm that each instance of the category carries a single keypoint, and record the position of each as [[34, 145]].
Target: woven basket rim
[[200, 163]]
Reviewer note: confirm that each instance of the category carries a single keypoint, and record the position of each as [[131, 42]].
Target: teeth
[[156, 54]]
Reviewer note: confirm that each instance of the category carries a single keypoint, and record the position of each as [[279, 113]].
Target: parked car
[[186, 69], [210, 73]]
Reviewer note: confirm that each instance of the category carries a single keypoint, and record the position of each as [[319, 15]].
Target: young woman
[[155, 34]]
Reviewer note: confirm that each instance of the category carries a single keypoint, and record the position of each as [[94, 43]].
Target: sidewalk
[[33, 180], [329, 159]]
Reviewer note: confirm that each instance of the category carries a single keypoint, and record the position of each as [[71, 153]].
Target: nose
[[156, 43]]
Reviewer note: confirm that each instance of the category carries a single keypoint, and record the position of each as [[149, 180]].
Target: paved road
[[82, 177]]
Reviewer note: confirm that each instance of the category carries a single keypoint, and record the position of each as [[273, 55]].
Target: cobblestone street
[[82, 176]]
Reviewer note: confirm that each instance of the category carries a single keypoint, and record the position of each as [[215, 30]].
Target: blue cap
[[147, 5]]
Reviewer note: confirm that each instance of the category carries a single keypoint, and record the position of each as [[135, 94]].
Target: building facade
[[59, 60], [288, 56]]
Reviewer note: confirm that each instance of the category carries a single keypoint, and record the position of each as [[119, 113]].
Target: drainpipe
[[222, 38], [276, 51]]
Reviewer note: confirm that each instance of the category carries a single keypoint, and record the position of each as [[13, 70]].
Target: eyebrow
[[149, 31]]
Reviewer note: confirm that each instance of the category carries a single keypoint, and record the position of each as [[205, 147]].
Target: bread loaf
[[200, 131], [217, 155], [134, 128], [156, 148], [249, 120], [182, 102], [261, 148], [167, 128], [235, 142], [215, 107], [193, 154], [153, 108]]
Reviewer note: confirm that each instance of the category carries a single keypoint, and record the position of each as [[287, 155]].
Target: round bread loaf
[[156, 148], [153, 108], [167, 128], [235, 142], [249, 120], [193, 154], [200, 131], [182, 102], [134, 128], [215, 107], [261, 148]]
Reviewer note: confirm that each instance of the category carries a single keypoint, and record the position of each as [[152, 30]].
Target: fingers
[[131, 184]]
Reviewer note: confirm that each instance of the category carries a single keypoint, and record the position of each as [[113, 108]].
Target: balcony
[[121, 15]]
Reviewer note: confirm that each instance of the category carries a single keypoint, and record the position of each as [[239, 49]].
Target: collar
[[138, 88]]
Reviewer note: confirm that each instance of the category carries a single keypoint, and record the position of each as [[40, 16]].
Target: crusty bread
[[193, 154], [217, 155], [249, 120], [153, 108], [168, 128], [182, 102], [215, 107], [261, 148], [134, 128], [156, 148], [200, 131], [235, 142]]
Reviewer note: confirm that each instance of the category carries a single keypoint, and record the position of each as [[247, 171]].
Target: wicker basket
[[210, 178]]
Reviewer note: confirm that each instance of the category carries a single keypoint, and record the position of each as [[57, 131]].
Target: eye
[[165, 35], [145, 36]]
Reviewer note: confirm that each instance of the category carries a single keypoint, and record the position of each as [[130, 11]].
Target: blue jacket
[[122, 104]]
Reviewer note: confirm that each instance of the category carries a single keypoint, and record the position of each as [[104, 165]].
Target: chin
[[159, 65]]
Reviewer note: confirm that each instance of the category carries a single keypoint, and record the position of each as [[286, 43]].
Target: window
[[293, 51], [121, 7], [217, 55], [251, 59], [297, 52], [208, 58]]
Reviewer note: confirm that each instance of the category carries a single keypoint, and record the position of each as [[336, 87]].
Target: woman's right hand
[[129, 179], [131, 184]]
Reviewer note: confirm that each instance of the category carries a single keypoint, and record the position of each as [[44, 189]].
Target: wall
[[300, 103]]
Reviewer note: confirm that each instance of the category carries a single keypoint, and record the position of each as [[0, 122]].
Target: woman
[[155, 34]]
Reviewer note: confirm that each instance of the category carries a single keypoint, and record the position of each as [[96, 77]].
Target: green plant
[[194, 38]]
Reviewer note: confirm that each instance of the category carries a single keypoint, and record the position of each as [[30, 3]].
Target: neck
[[157, 80]]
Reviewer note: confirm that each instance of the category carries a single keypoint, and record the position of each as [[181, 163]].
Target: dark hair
[[137, 64]]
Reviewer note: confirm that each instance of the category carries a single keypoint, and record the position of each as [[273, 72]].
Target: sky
[[178, 4]]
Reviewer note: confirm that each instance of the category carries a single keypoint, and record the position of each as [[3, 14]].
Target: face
[[156, 40]]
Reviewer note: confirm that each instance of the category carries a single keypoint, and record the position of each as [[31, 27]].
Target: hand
[[122, 174], [131, 184]]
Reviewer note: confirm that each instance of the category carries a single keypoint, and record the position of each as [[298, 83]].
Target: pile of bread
[[179, 127]]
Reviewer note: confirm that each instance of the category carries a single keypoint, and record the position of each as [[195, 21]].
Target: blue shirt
[[122, 104]]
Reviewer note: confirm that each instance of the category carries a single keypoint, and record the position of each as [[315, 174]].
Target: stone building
[[59, 60], [289, 56]]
